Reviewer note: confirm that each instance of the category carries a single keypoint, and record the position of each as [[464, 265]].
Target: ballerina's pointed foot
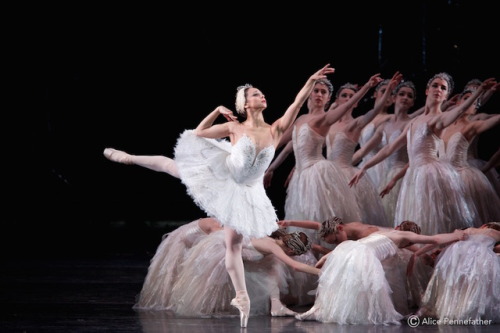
[[308, 315], [117, 156], [278, 309], [242, 303]]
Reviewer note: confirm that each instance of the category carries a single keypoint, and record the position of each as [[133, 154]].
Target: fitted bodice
[[485, 239], [456, 150], [422, 144], [307, 146], [245, 164], [340, 149], [382, 246]]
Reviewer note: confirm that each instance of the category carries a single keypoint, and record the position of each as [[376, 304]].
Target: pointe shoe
[[278, 309], [243, 305], [117, 156], [424, 312], [308, 315]]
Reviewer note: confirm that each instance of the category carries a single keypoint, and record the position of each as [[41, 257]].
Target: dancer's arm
[[365, 119], [322, 260], [282, 156], [285, 138], [394, 180], [383, 153], [320, 249], [487, 94], [369, 145], [335, 112], [450, 102], [431, 242], [307, 224], [479, 126], [446, 118], [279, 127], [437, 239], [207, 129], [268, 245]]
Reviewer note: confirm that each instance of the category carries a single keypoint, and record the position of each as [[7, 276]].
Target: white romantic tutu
[[318, 190], [432, 192], [340, 151], [466, 281], [165, 266], [478, 189], [353, 288], [204, 288]]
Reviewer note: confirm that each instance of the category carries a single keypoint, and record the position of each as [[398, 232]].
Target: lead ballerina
[[225, 178]]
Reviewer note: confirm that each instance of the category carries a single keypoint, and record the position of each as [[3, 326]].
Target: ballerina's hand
[[357, 176], [387, 189], [321, 74], [228, 114], [488, 83], [395, 80], [374, 80], [460, 234], [284, 223], [322, 260], [452, 101]]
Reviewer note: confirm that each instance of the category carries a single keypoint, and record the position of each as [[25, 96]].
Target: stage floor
[[95, 293]]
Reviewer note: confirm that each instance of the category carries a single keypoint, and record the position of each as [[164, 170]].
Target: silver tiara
[[445, 76], [327, 83], [329, 226], [297, 246], [347, 85]]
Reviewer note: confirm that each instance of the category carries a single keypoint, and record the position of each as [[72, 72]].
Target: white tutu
[[353, 288], [340, 151], [466, 281], [165, 266], [393, 165], [227, 181], [204, 288], [318, 190], [432, 192], [478, 189]]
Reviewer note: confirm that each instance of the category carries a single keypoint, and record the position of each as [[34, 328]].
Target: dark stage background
[[134, 78]]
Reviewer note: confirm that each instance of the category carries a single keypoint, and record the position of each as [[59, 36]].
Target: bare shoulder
[[234, 126], [381, 119]]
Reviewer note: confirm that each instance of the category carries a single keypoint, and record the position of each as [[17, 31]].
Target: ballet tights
[[234, 260], [278, 309], [154, 162], [235, 269]]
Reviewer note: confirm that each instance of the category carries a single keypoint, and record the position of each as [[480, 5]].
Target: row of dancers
[[363, 280], [226, 179]]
